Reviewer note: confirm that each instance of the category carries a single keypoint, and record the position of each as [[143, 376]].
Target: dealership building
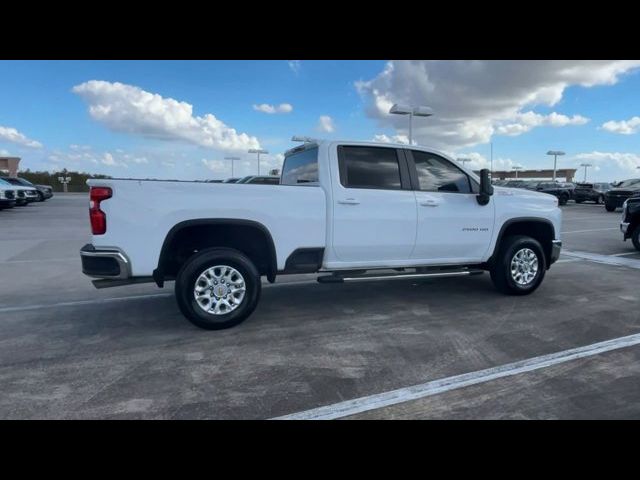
[[10, 164]]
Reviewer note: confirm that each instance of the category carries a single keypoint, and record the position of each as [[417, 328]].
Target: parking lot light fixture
[[233, 159], [464, 160], [258, 151], [516, 168], [587, 165], [412, 111], [556, 154]]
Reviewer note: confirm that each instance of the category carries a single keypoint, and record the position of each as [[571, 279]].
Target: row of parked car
[[612, 195], [20, 192], [253, 179]]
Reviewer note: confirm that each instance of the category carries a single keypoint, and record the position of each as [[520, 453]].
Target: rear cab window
[[369, 167], [301, 168]]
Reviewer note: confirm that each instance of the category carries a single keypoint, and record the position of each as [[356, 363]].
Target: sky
[[180, 119]]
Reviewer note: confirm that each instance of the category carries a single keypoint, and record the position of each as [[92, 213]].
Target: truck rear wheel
[[218, 288], [610, 208], [519, 266]]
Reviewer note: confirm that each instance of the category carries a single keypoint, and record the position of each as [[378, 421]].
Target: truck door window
[[369, 167], [301, 168], [437, 174]]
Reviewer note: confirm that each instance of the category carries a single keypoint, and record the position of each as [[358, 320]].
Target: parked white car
[[7, 195], [346, 209], [23, 195]]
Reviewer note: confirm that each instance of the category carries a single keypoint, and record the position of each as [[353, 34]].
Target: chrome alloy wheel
[[219, 290], [524, 266]]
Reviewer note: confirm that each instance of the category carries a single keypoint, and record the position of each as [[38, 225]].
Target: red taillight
[[98, 217]]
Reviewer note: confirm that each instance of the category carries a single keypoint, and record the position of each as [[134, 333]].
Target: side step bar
[[337, 278], [119, 282]]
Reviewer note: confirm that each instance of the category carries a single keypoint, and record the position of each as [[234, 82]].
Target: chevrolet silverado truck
[[350, 211]]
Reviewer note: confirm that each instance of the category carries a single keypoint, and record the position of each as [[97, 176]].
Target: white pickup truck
[[353, 210]]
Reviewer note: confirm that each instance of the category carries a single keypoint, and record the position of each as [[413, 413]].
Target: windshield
[[4, 183], [629, 183]]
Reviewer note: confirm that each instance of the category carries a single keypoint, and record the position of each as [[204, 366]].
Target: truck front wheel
[[218, 288], [519, 266]]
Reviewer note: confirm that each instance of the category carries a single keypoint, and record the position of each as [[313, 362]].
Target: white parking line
[[605, 259], [402, 395], [591, 230], [82, 302], [122, 299], [46, 260], [623, 254]]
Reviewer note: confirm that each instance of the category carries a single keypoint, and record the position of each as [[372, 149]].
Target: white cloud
[[129, 109], [472, 100], [80, 147], [4, 153], [9, 134], [110, 161], [479, 161], [325, 124], [382, 138], [628, 162], [294, 65], [217, 165], [623, 127], [529, 120], [271, 109]]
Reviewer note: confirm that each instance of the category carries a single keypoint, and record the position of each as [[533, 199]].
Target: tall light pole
[[412, 111], [587, 165], [491, 159], [556, 154], [258, 151], [233, 159], [516, 168]]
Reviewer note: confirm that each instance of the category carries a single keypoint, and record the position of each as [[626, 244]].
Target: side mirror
[[486, 189]]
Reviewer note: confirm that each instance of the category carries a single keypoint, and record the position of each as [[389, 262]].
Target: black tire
[[40, 197], [501, 268], [563, 199], [600, 200], [635, 238], [189, 274], [579, 201], [610, 208]]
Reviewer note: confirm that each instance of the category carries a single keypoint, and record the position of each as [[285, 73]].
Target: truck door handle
[[349, 201], [429, 203]]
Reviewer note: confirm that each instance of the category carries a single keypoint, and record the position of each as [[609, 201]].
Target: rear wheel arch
[[540, 229], [185, 238]]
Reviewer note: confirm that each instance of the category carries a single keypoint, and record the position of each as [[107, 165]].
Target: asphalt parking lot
[[68, 350]]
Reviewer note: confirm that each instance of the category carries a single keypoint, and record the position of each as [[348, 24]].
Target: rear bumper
[[105, 262], [556, 246]]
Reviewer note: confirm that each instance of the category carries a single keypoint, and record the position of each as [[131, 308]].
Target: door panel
[[452, 227], [374, 211]]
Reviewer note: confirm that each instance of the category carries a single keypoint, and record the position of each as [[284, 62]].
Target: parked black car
[[615, 197], [591, 192], [260, 180], [45, 192], [231, 180], [630, 225], [562, 190]]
